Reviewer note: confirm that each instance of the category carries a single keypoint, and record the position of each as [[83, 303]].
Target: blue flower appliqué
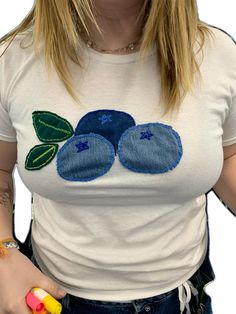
[[150, 148], [146, 135], [105, 118], [82, 146]]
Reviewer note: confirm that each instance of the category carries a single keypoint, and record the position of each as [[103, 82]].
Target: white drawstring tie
[[184, 299]]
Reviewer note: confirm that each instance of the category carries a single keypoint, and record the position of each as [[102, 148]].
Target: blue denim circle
[[150, 148], [109, 123], [85, 157]]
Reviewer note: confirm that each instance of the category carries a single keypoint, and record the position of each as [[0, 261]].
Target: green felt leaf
[[40, 155], [50, 127]]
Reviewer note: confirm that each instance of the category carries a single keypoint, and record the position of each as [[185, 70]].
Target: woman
[[119, 184]]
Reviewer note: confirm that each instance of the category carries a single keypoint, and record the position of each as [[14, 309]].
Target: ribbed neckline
[[115, 58]]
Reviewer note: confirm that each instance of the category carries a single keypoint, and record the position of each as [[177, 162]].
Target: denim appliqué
[[109, 123], [85, 164], [157, 150], [89, 151]]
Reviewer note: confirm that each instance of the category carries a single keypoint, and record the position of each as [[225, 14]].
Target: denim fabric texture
[[150, 148], [111, 124], [166, 303], [85, 157], [90, 151]]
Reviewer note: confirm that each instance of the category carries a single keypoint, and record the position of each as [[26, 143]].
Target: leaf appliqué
[[50, 127], [40, 155]]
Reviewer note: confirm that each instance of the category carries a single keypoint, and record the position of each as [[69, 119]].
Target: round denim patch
[[85, 157], [108, 123], [150, 148]]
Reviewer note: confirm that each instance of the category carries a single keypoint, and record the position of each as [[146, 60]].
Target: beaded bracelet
[[5, 244]]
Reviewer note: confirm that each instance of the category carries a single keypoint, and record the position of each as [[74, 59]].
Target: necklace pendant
[[131, 46], [89, 43]]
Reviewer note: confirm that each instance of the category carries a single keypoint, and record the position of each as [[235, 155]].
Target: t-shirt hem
[[7, 138], [129, 295], [230, 141]]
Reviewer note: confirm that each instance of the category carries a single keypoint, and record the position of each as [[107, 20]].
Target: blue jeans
[[165, 303]]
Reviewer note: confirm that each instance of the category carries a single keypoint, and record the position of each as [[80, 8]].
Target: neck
[[117, 20]]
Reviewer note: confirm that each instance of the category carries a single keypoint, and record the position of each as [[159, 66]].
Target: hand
[[18, 275]]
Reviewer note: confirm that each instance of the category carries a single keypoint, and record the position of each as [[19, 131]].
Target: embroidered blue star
[[105, 118], [146, 135], [82, 146]]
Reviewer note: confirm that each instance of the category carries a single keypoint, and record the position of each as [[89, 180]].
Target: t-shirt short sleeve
[[7, 131], [229, 126]]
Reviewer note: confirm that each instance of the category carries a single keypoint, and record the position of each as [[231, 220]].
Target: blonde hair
[[173, 24]]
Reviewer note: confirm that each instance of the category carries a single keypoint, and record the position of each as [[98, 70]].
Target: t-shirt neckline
[[115, 58]]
